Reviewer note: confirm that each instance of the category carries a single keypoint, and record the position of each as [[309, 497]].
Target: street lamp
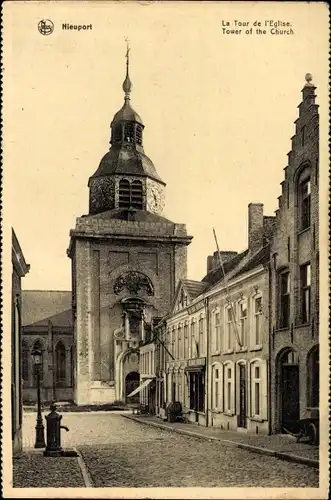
[[40, 434]]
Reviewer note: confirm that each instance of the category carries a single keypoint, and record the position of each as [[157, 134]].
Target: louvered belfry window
[[124, 193], [139, 134], [130, 195], [136, 194], [129, 132]]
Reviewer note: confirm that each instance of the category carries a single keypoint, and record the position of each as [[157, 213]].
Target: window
[[201, 338], [257, 321], [197, 391], [117, 134], [60, 362], [130, 195], [25, 362], [180, 342], [243, 322], [193, 353], [186, 354], [305, 281], [216, 394], [256, 389], [284, 299], [129, 132], [124, 193], [228, 389], [228, 330], [139, 132], [136, 195], [173, 343], [216, 333], [304, 201]]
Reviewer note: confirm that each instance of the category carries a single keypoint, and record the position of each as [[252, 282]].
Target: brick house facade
[[295, 277], [217, 337]]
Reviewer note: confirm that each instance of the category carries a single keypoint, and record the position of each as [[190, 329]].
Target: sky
[[218, 109]]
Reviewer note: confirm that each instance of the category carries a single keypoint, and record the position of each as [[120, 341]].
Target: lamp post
[[40, 433]]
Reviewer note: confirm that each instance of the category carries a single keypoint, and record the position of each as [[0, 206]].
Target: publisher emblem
[[45, 27]]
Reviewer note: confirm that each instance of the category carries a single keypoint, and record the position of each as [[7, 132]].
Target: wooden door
[[242, 417], [290, 395]]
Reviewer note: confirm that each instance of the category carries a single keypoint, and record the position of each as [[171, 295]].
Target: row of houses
[[240, 348]]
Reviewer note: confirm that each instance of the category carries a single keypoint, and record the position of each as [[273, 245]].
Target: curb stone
[[254, 449], [84, 470]]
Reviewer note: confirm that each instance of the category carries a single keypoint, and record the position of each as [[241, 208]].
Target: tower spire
[[127, 85]]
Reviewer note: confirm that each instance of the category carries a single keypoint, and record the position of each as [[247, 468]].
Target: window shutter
[[233, 385], [264, 390], [249, 390], [221, 387], [210, 393]]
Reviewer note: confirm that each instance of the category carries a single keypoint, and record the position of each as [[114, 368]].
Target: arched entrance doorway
[[289, 390], [131, 383]]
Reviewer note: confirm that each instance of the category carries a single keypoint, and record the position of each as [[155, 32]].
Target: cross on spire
[[127, 85]]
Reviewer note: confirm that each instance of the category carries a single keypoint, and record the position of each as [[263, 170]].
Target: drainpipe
[[206, 301]]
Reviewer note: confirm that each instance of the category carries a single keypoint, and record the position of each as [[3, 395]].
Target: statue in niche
[[133, 282], [135, 323]]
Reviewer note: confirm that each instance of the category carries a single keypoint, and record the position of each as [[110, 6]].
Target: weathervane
[[127, 85]]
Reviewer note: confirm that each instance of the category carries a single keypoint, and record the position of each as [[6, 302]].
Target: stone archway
[[123, 368], [131, 383]]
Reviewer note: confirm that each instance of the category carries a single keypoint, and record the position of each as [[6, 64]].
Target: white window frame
[[216, 331], [263, 384], [173, 342], [217, 387], [229, 409], [253, 344], [243, 347], [193, 329], [201, 336], [186, 340], [228, 330]]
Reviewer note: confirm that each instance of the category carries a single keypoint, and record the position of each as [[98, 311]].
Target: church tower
[[126, 262]]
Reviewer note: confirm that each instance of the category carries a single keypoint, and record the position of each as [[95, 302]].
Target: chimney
[[213, 260], [268, 228], [225, 256], [255, 226], [210, 263]]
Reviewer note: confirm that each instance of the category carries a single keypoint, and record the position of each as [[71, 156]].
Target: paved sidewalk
[[31, 469], [280, 446]]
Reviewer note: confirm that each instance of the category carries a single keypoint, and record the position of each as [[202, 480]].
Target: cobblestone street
[[122, 453]]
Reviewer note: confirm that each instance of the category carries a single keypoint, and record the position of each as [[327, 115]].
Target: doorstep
[[228, 437]]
